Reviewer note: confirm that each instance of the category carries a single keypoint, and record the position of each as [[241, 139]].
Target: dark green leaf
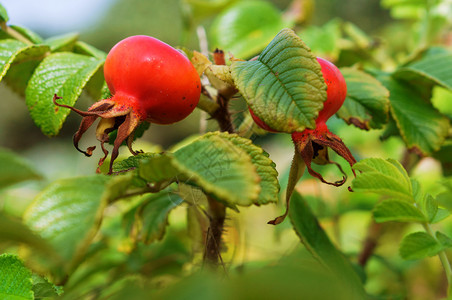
[[399, 211], [422, 127], [317, 242], [15, 169], [65, 42], [244, 29], [367, 102], [284, 86], [17, 77], [384, 177], [419, 245], [64, 74], [151, 217], [43, 288], [15, 279], [3, 14]]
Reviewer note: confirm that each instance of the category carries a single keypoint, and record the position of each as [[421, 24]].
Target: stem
[[15, 34], [217, 215], [442, 256]]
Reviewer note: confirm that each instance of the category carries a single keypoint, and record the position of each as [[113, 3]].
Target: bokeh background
[[102, 23]]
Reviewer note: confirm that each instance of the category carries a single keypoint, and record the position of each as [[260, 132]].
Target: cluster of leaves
[[283, 86]]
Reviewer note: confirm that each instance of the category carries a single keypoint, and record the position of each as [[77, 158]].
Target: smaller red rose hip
[[149, 81]]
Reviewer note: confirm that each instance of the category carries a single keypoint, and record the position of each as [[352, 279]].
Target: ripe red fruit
[[336, 90], [336, 93], [150, 81]]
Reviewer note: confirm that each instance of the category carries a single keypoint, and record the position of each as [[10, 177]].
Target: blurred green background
[[249, 238]]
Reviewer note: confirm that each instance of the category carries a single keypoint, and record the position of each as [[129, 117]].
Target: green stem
[[15, 34], [442, 256]]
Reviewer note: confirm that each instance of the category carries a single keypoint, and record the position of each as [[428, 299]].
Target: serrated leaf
[[433, 67], [87, 49], [68, 213], [319, 245], [422, 127], [430, 207], [9, 48], [284, 86], [265, 167], [220, 168], [399, 211], [384, 177], [64, 74], [29, 34], [17, 77], [3, 14], [15, 279], [65, 42], [245, 28], [367, 103], [151, 217], [419, 245], [43, 288], [15, 169]]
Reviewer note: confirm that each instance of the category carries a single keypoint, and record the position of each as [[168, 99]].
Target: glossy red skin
[[336, 90], [156, 80], [336, 93]]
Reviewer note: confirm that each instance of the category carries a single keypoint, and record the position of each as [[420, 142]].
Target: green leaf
[[384, 177], [64, 74], [284, 86], [399, 211], [43, 288], [441, 214], [17, 77], [317, 242], [3, 14], [265, 167], [245, 28], [87, 49], [15, 279], [65, 42], [158, 167], [430, 207], [15, 169], [151, 217], [29, 34], [422, 127], [444, 240], [68, 214], [419, 245], [220, 168], [433, 67], [367, 103]]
